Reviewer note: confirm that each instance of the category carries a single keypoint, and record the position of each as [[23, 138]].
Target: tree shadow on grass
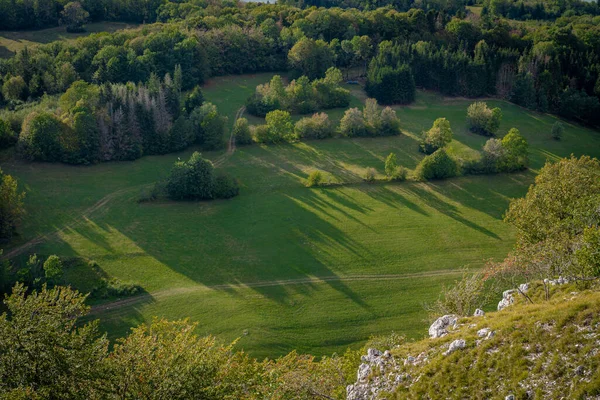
[[432, 200]]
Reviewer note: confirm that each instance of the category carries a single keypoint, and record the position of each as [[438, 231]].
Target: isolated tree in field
[[45, 352], [437, 137], [11, 206], [557, 130], [516, 151], [241, 132], [438, 165], [15, 88], [483, 120], [74, 16], [192, 179]]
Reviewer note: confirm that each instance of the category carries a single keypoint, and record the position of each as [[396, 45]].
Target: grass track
[[289, 266]]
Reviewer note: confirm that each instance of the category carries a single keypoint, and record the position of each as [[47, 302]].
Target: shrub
[[315, 178], [280, 127], [316, 127], [438, 165], [391, 165], [191, 180], [225, 187], [483, 120], [53, 268], [437, 137], [195, 180], [389, 123], [40, 137], [7, 136], [516, 152], [557, 130], [241, 132], [260, 133], [370, 175], [493, 154]]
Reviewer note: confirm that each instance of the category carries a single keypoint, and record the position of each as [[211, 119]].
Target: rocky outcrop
[[456, 345], [507, 299], [479, 313], [440, 327], [376, 374]]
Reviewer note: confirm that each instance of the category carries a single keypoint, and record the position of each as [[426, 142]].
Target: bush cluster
[[301, 96], [195, 180], [483, 120]]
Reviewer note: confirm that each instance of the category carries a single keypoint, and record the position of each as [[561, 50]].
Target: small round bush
[[370, 175], [438, 165], [315, 178]]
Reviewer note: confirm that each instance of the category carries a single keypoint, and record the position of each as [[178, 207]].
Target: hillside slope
[[545, 350]]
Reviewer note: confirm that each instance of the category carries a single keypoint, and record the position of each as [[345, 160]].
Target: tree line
[[547, 67]]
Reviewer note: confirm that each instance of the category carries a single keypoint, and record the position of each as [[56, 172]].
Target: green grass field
[[282, 266], [13, 41]]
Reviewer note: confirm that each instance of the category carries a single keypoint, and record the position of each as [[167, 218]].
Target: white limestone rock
[[440, 327], [479, 313], [456, 345]]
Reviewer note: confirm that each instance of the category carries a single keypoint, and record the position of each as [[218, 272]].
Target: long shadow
[[449, 210], [278, 225]]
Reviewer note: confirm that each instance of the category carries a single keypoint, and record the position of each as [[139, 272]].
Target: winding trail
[[231, 142], [103, 202], [78, 220], [164, 294]]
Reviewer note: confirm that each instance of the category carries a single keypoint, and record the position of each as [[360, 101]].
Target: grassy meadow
[[12, 42], [282, 266]]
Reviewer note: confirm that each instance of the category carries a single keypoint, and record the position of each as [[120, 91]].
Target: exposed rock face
[[524, 287], [381, 364], [479, 313], [440, 327], [456, 345], [507, 299]]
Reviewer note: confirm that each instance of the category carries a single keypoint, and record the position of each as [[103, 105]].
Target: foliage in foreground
[[44, 353], [539, 351], [558, 224], [11, 206]]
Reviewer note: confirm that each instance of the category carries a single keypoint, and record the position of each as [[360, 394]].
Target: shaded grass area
[[203, 259], [12, 42]]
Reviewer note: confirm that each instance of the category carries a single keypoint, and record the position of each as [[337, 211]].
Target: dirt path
[[231, 142], [163, 294], [81, 218], [107, 199]]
